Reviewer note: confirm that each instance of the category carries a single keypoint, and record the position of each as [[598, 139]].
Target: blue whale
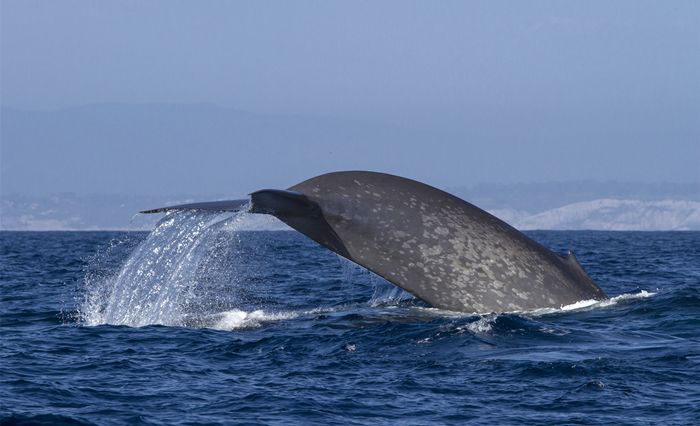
[[436, 246]]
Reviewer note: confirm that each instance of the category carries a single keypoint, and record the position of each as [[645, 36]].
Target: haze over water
[[204, 98]]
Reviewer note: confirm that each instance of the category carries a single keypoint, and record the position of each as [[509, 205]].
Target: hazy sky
[[503, 91]]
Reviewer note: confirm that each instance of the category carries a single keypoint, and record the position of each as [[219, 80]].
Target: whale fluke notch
[[438, 247]]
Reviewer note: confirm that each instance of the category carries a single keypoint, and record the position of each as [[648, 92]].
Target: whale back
[[438, 247]]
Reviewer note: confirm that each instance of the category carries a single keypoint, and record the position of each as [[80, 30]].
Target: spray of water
[[162, 280], [383, 292], [193, 270]]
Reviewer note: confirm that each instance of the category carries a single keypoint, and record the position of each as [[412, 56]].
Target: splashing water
[[160, 282], [383, 293], [186, 273]]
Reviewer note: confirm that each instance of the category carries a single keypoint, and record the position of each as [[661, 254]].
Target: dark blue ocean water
[[201, 323]]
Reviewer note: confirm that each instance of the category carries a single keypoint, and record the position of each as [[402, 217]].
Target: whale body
[[436, 246]]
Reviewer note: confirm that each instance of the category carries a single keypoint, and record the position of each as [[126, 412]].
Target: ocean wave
[[591, 303], [236, 319]]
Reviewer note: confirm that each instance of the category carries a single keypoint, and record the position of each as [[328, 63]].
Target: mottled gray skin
[[443, 250]]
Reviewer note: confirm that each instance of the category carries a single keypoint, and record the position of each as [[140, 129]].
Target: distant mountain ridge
[[539, 197], [610, 215]]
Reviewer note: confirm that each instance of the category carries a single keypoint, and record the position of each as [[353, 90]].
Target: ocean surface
[[201, 322]]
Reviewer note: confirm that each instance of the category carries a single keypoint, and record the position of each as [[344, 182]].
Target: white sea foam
[[579, 305], [235, 319], [628, 296], [591, 303], [482, 325]]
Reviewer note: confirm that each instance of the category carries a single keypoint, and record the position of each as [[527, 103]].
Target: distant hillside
[[610, 215], [539, 197], [83, 212], [74, 212]]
